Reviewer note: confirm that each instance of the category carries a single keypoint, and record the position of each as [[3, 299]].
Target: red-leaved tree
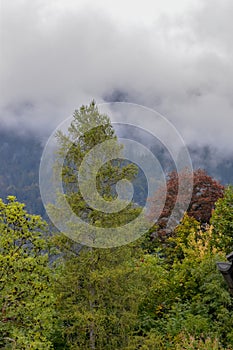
[[206, 192]]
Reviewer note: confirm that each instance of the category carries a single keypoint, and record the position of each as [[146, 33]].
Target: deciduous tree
[[206, 191], [222, 221], [26, 301]]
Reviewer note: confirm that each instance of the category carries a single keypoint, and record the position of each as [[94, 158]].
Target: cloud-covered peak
[[58, 55]]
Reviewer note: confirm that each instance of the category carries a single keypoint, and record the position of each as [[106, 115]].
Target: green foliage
[[200, 289], [124, 298], [88, 129], [222, 221], [128, 298], [26, 301], [99, 291], [187, 342], [173, 249], [188, 297]]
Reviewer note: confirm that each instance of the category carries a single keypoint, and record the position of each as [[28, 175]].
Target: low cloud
[[56, 58]]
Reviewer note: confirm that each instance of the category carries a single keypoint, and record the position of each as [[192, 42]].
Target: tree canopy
[[135, 296], [26, 301], [206, 191]]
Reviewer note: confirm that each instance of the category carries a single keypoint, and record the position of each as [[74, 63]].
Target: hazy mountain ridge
[[20, 159], [19, 169]]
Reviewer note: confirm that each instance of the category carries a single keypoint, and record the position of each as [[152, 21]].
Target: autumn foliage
[[205, 193]]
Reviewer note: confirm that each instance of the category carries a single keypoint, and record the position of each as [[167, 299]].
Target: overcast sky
[[173, 56]]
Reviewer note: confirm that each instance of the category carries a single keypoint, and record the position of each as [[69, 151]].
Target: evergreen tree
[[98, 290], [104, 169]]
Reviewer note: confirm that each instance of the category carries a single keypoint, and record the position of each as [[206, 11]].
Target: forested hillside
[[20, 159], [19, 169]]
